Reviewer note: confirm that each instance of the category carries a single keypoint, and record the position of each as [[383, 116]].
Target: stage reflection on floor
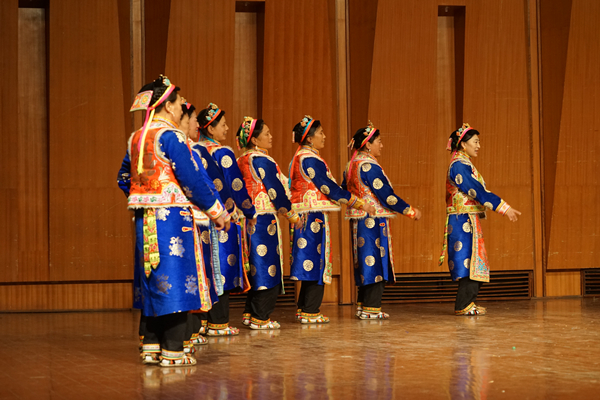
[[539, 349]]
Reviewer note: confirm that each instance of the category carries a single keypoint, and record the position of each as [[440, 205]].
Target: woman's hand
[[417, 214], [251, 222], [513, 214], [299, 224], [369, 209]]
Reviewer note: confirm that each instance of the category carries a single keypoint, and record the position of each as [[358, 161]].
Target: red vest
[[306, 197], [256, 189], [357, 187], [156, 185]]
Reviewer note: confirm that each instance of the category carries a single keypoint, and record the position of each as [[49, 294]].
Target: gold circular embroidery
[[458, 245], [311, 173], [321, 263], [467, 263], [377, 242], [293, 278], [369, 223], [467, 227], [361, 242], [247, 204], [392, 200], [226, 162], [272, 229], [282, 210], [325, 189], [252, 270], [451, 265], [366, 167], [302, 243], [472, 193], [385, 233], [458, 179], [237, 281], [261, 249], [370, 261], [222, 279], [251, 229], [319, 248], [450, 229], [231, 259], [229, 203], [377, 184], [272, 194], [362, 279], [315, 227], [272, 270], [205, 237], [308, 265], [223, 236], [489, 205], [204, 163], [382, 251], [261, 288], [261, 172], [218, 184], [378, 278], [237, 184]]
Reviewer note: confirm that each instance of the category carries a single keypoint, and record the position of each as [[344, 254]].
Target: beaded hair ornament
[[368, 134], [306, 123], [213, 113], [246, 131], [461, 133], [142, 102]]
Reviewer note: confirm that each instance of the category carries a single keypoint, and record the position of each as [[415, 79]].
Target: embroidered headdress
[[306, 123], [368, 133], [213, 113], [245, 132], [142, 102], [460, 133]]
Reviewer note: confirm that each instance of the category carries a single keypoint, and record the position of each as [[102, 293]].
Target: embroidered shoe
[[298, 314], [198, 340], [358, 309], [176, 359], [222, 330], [246, 319], [268, 324], [203, 328], [188, 347], [307, 318], [470, 310], [150, 353], [373, 315]]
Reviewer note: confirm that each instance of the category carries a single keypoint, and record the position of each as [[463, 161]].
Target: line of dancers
[[207, 223]]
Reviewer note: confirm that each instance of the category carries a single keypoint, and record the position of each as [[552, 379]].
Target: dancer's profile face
[[193, 127], [219, 132], [318, 139], [264, 140], [184, 124], [376, 147], [471, 146]]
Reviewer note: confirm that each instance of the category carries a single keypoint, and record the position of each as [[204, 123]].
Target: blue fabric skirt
[[308, 250], [264, 245], [373, 261], [179, 282], [460, 245]]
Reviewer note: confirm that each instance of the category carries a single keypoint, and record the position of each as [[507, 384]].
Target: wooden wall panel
[[32, 163], [90, 236], [496, 103], [404, 104], [575, 238], [157, 21], [565, 283], [200, 54], [9, 254]]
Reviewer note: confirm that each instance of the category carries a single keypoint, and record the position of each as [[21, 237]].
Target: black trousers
[[467, 293], [219, 313], [261, 303], [370, 295], [167, 330], [311, 297]]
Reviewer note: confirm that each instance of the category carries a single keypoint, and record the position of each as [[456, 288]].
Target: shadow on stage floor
[[539, 349]]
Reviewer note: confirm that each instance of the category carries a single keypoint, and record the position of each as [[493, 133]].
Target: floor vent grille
[[590, 285]]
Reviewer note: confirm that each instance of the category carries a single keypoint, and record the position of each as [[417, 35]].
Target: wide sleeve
[[267, 171], [187, 172], [198, 158], [462, 175], [316, 170], [382, 188], [234, 179], [124, 176]]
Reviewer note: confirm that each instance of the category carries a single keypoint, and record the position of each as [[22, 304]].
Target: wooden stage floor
[[539, 349]]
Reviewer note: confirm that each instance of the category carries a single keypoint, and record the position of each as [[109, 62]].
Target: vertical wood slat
[[9, 68], [32, 163], [90, 236]]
